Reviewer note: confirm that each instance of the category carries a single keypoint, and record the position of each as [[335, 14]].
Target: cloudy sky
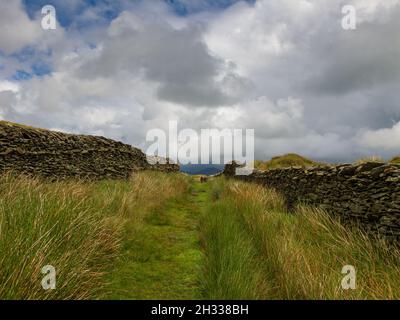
[[285, 68]]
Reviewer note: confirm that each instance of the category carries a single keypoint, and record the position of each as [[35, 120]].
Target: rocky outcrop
[[59, 155], [368, 194]]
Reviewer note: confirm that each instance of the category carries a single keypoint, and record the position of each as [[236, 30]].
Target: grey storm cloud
[[284, 68], [177, 60], [357, 60]]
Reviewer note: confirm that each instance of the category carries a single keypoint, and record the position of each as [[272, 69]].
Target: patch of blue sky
[[25, 54], [21, 75], [186, 7], [40, 68], [34, 62], [69, 13], [37, 69]]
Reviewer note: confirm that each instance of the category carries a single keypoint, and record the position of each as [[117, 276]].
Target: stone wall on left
[[58, 155]]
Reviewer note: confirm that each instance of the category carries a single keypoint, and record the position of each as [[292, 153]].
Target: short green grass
[[161, 258]]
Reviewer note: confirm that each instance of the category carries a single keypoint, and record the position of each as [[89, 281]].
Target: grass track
[[161, 259]]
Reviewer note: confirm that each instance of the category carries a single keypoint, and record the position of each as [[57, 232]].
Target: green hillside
[[287, 160]]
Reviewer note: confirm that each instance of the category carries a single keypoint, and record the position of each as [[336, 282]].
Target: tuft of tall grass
[[76, 227], [300, 255], [230, 269]]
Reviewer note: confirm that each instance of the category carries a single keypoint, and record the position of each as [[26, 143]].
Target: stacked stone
[[368, 194], [59, 155]]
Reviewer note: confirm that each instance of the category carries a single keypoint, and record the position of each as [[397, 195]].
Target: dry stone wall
[[368, 194], [59, 155]]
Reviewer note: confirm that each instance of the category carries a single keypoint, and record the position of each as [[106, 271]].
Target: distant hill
[[293, 159], [287, 160], [202, 169], [395, 160]]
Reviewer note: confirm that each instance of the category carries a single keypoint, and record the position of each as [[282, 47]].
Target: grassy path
[[162, 258]]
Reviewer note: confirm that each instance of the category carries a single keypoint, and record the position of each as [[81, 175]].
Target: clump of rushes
[[297, 255], [77, 227]]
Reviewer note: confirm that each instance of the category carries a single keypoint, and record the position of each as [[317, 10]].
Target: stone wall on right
[[368, 194]]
